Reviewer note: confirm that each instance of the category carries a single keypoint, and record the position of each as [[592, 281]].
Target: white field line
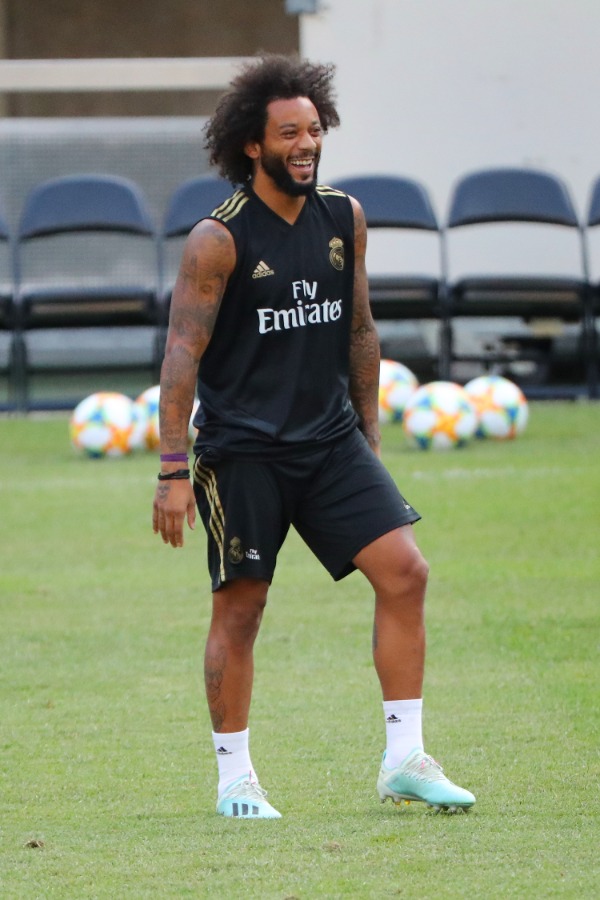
[[494, 472], [85, 480]]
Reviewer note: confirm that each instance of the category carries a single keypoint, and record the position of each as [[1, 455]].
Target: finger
[[156, 522], [163, 526], [176, 530], [191, 515]]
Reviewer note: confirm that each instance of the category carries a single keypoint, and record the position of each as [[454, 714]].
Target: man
[[270, 314]]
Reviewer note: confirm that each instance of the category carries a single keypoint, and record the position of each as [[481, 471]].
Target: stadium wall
[[432, 89], [89, 29]]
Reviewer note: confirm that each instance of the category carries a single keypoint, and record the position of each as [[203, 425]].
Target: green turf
[[106, 756]]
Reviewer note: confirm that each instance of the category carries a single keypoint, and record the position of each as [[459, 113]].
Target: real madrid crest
[[235, 553], [336, 253]]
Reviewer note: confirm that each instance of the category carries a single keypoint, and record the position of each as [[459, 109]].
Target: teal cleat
[[245, 799], [419, 777]]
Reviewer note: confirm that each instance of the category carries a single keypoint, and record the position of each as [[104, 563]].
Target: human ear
[[252, 149]]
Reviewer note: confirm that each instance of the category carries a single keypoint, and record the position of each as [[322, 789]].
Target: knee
[[408, 578], [411, 578], [418, 570], [238, 613]]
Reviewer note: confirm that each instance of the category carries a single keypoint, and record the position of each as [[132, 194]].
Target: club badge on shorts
[[235, 554]]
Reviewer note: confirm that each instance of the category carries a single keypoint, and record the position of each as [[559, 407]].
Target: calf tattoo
[[214, 668]]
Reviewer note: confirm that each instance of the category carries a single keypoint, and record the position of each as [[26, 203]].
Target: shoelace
[[249, 790], [425, 768]]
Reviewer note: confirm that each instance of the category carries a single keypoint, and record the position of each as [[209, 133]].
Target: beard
[[275, 168]]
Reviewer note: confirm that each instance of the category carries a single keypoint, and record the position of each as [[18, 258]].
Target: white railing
[[150, 74]]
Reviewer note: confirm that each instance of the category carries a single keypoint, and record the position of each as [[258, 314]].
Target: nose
[[308, 142]]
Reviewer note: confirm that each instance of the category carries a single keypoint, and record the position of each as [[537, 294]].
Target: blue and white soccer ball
[[439, 416], [502, 410], [396, 384]]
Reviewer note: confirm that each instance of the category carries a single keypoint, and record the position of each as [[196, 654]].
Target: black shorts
[[339, 499]]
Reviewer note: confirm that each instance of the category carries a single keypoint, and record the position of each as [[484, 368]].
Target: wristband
[[178, 475], [173, 457]]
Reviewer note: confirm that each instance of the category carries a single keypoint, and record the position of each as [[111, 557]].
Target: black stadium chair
[[190, 202], [193, 200], [7, 318], [6, 276], [593, 238], [404, 240], [592, 247], [86, 267], [521, 255]]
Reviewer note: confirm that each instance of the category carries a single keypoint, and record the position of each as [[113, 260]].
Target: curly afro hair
[[241, 114]]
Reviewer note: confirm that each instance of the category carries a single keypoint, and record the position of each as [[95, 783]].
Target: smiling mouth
[[303, 163]]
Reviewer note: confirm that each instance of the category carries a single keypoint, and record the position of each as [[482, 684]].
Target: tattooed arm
[[207, 262], [364, 341]]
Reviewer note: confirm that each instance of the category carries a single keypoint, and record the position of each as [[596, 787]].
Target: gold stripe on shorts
[[206, 478]]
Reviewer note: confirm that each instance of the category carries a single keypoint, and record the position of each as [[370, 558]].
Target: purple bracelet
[[173, 457]]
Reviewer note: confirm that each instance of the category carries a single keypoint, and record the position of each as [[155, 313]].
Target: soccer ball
[[396, 384], [146, 433], [137, 439], [146, 412], [101, 425], [501, 407], [439, 415]]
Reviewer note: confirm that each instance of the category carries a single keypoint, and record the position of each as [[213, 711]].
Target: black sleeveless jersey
[[274, 377]]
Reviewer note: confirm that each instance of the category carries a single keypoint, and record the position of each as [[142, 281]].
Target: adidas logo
[[222, 751], [262, 270], [393, 719], [245, 809]]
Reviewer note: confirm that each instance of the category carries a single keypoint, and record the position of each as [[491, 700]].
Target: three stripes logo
[[231, 207], [393, 720], [243, 809], [262, 270]]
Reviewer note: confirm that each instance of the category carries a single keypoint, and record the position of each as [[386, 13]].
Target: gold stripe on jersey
[[329, 191], [230, 207], [206, 478]]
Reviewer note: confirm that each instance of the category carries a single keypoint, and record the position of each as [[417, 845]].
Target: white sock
[[233, 757], [403, 729]]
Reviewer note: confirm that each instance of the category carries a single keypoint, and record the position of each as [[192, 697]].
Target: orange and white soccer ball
[[502, 410], [102, 424], [147, 426], [439, 415], [146, 412], [396, 384]]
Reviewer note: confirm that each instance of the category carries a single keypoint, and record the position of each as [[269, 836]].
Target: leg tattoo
[[214, 667]]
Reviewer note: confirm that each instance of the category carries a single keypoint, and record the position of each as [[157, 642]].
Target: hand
[[173, 502]]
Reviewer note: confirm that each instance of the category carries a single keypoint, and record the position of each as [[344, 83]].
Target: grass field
[[107, 775]]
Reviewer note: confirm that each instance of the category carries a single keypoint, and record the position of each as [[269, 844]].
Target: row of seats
[[87, 254], [88, 263], [512, 245]]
